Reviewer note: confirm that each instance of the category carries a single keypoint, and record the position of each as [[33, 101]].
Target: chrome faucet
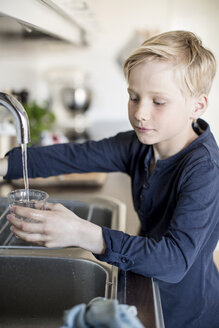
[[20, 115]]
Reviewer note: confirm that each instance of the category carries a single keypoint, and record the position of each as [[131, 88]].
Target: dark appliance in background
[[77, 101], [70, 101]]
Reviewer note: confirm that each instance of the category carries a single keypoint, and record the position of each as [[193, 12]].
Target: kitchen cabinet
[[68, 20], [144, 293]]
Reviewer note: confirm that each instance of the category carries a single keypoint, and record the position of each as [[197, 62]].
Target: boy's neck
[[169, 148]]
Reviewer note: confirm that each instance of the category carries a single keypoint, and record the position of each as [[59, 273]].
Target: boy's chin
[[145, 140]]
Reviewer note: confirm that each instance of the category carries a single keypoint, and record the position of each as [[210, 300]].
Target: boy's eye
[[158, 102], [134, 99]]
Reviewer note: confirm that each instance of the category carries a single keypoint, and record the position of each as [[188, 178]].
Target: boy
[[173, 161]]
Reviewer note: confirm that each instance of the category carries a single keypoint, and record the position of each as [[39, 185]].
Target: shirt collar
[[201, 128]]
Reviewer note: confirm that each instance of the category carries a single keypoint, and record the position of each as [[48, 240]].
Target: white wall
[[26, 66], [201, 17]]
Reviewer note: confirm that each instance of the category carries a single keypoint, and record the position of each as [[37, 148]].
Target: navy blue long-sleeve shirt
[[178, 206]]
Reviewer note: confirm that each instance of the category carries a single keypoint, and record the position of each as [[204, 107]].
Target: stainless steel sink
[[35, 291], [37, 284]]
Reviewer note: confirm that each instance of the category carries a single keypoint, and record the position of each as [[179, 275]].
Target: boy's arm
[[107, 155], [192, 226]]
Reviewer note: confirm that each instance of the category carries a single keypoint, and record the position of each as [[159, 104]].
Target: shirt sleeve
[[194, 221], [107, 155]]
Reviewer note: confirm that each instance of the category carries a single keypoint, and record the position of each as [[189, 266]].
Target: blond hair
[[185, 51]]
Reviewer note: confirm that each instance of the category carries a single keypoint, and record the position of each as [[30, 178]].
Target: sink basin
[[37, 284], [35, 291]]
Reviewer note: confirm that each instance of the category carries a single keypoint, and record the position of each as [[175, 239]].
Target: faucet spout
[[20, 115]]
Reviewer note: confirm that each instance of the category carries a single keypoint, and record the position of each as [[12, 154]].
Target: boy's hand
[[56, 227], [3, 166]]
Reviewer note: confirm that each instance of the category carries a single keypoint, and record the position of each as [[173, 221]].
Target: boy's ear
[[200, 106]]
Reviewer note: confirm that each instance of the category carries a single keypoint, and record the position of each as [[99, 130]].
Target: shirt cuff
[[113, 240]]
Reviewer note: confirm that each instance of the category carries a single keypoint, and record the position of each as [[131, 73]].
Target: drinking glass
[[28, 198]]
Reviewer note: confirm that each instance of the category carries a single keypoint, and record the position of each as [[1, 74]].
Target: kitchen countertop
[[134, 289]]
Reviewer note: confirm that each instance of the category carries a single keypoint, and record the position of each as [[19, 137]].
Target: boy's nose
[[143, 113]]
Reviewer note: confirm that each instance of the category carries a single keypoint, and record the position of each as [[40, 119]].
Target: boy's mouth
[[144, 130]]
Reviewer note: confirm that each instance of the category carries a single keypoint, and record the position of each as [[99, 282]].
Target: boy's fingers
[[46, 206], [15, 221], [22, 225], [49, 206], [53, 206], [27, 213], [31, 237]]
